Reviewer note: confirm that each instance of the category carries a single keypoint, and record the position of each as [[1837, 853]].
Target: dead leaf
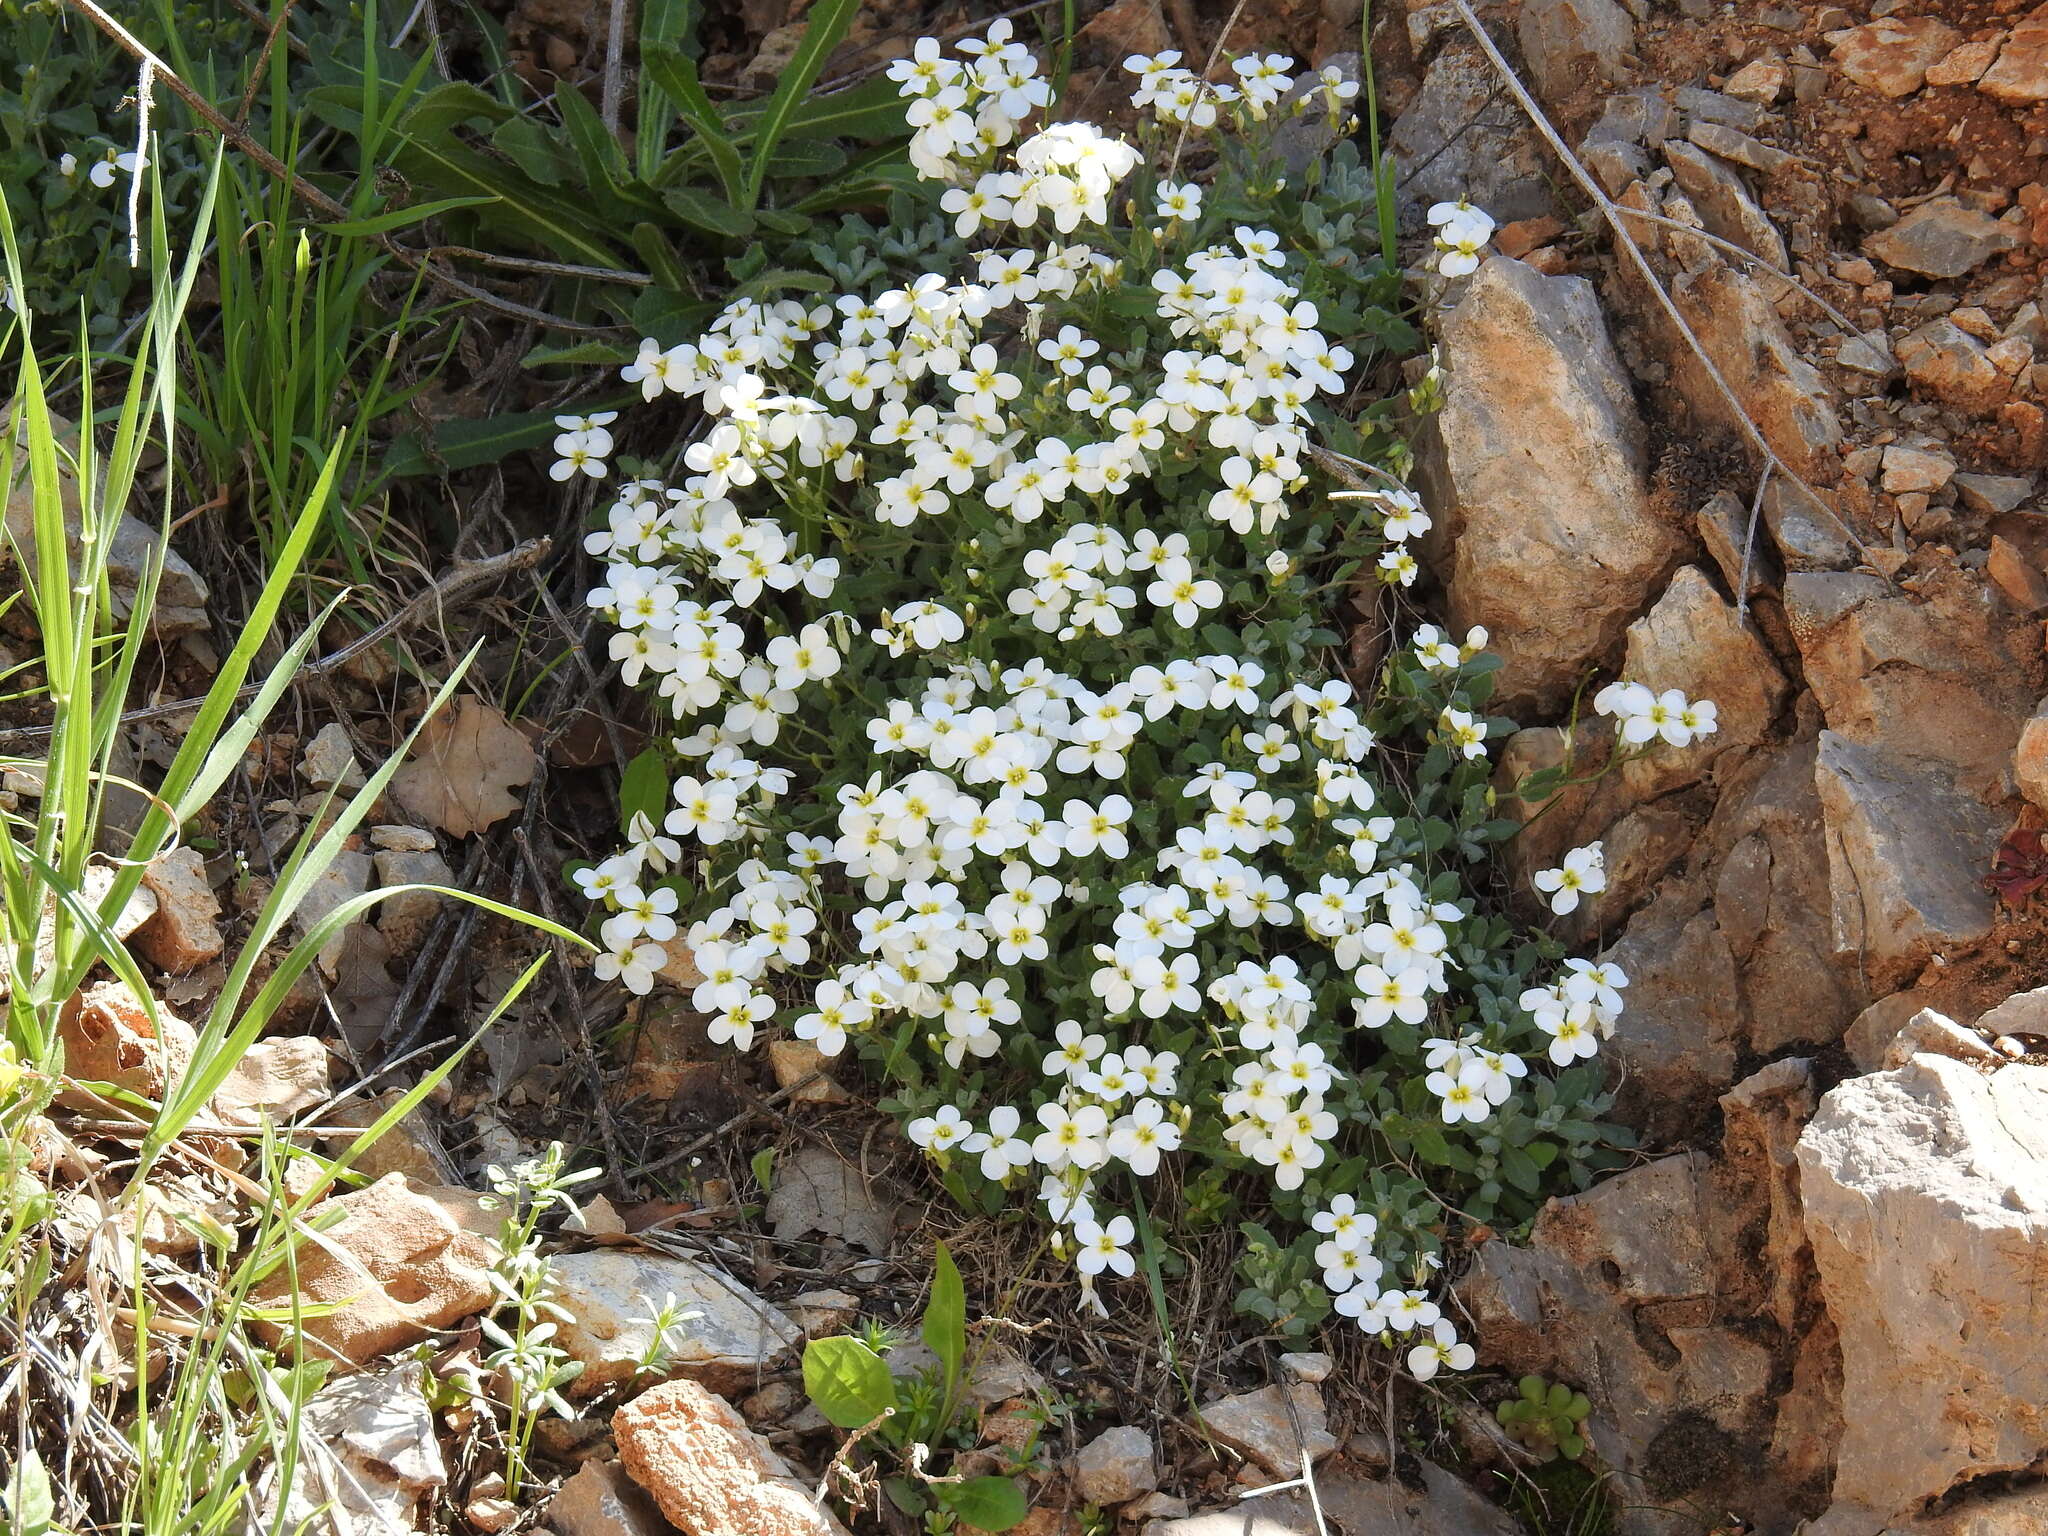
[[463, 769], [817, 1191]]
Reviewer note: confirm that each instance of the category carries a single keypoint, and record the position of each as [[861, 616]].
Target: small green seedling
[[849, 1382], [1546, 1419]]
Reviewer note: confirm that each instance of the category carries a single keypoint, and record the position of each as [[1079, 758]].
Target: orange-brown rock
[[710, 1474], [404, 1260]]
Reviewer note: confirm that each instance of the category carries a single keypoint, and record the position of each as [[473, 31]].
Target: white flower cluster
[[1462, 232], [1352, 1275], [1644, 717], [1019, 821]]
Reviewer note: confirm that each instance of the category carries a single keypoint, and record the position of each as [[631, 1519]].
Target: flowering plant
[[1015, 753]]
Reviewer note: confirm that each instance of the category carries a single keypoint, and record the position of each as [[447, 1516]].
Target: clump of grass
[[138, 1398]]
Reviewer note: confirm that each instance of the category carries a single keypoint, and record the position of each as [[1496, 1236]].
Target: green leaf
[[31, 1510], [906, 1496], [468, 443], [762, 1165], [849, 1383], [945, 1320], [604, 162], [533, 149], [675, 74], [643, 787], [829, 21], [707, 214], [986, 1503], [400, 218]]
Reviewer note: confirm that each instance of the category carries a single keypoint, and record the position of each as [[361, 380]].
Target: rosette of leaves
[[1546, 1418]]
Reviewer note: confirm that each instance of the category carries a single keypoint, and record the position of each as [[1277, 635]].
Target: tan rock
[[1929, 1033], [1723, 202], [1126, 27], [1771, 902], [274, 1081], [405, 918], [185, 932], [346, 878], [1116, 1466], [1790, 402], [2022, 580], [1695, 641], [411, 1147], [404, 1260], [329, 761], [1914, 469], [403, 839], [1760, 80], [368, 1456], [601, 1500], [109, 1037], [611, 1295], [1874, 1029], [1262, 1426], [1964, 64], [1568, 43], [1942, 675], [795, 1060], [2024, 1013], [708, 1472], [1941, 238], [1946, 363], [1926, 1200], [2020, 77], [1905, 858], [1892, 56], [1535, 472]]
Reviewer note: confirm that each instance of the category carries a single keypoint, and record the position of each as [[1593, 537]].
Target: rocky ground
[[1809, 488], [1815, 1301]]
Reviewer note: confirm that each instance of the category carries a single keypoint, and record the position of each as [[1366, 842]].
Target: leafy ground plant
[[907, 1423], [996, 610]]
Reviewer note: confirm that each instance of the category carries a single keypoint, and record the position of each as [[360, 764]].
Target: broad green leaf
[[652, 246], [849, 1383], [466, 444], [871, 110], [986, 1503], [828, 24], [643, 788], [708, 214], [945, 1320], [675, 74], [602, 158], [534, 150]]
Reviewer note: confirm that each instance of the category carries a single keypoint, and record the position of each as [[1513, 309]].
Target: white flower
[[1443, 1349], [1179, 200], [940, 1130], [1138, 1138], [1001, 1150], [1582, 872], [124, 163], [1101, 1247], [632, 962]]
